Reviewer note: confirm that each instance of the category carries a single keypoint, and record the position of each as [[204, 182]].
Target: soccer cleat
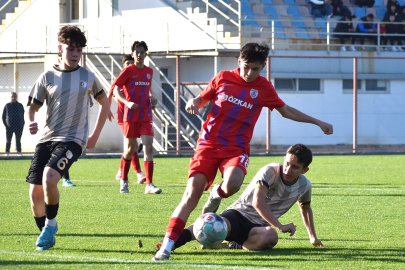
[[152, 189], [6, 154], [343, 48], [118, 175], [47, 236], [51, 244], [68, 183], [212, 205], [352, 48], [124, 186], [141, 178], [19, 154], [400, 49], [161, 255]]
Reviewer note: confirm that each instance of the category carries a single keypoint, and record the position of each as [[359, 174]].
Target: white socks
[[50, 222], [168, 244]]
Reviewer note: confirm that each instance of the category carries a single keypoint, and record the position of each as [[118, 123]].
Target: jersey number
[[62, 163], [244, 160]]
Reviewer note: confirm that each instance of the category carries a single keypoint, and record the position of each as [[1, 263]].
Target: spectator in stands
[[402, 26], [394, 3], [321, 8], [391, 11], [343, 30], [365, 25], [402, 14], [13, 120], [340, 9], [391, 29], [367, 3]]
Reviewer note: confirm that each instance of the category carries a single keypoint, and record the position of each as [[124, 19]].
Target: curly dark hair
[[254, 52], [303, 153], [139, 43], [127, 57], [72, 35]]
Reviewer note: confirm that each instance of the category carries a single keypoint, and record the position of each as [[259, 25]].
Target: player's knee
[[230, 188], [270, 238]]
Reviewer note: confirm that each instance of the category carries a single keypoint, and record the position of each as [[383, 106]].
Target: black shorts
[[240, 226], [57, 155]]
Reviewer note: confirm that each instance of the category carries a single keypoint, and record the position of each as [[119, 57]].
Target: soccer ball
[[210, 229]]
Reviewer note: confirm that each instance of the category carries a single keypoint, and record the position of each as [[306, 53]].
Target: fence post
[[268, 118], [16, 78], [178, 138], [354, 104]]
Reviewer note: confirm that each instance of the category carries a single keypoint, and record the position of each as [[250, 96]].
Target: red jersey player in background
[[127, 60], [238, 97], [136, 81]]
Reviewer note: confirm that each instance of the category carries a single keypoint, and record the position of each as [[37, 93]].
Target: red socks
[[221, 193], [148, 171], [175, 228], [124, 166], [135, 163]]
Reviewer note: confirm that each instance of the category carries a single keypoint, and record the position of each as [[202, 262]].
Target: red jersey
[[236, 107], [120, 105], [136, 83]]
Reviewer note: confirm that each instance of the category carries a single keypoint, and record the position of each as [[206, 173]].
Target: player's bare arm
[[153, 101], [259, 203], [296, 115], [194, 104], [121, 98], [110, 114], [33, 126], [101, 118], [308, 219]]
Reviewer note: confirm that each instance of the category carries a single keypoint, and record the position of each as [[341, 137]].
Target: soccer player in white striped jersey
[[66, 90]]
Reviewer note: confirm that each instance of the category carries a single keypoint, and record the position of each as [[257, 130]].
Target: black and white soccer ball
[[210, 229]]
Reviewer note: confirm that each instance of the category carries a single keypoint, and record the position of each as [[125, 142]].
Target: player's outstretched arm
[[259, 203], [308, 219], [194, 104], [33, 126], [296, 115], [101, 118]]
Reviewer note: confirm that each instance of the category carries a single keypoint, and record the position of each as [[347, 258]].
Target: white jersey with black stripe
[[280, 196], [67, 94]]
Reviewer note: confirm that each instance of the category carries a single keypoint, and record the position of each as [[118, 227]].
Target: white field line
[[243, 185], [116, 260]]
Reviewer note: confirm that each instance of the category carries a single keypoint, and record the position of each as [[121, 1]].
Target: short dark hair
[[303, 153], [254, 52], [137, 44], [127, 57], [72, 35], [371, 16]]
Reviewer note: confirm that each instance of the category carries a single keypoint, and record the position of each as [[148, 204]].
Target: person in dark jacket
[[13, 120], [392, 28], [394, 3], [343, 30], [365, 25], [339, 8]]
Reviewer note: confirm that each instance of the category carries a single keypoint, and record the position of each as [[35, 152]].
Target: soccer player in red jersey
[[238, 97], [136, 81], [127, 60]]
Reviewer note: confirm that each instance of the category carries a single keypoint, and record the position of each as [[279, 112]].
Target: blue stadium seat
[[266, 1], [279, 32], [401, 2], [297, 22], [293, 10], [379, 3], [250, 20], [359, 12], [277, 23], [244, 1], [381, 11], [320, 22], [270, 10], [301, 33], [289, 2], [246, 9], [322, 33]]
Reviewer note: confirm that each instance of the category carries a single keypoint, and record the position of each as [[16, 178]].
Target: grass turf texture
[[358, 205]]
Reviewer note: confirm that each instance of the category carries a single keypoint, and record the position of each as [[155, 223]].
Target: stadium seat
[[278, 2], [290, 33], [401, 2], [304, 11], [300, 2], [270, 10], [250, 20], [293, 10], [279, 33], [322, 33], [258, 9], [262, 20], [298, 22], [255, 1], [281, 10], [385, 2], [320, 22], [371, 11], [244, 1], [379, 3], [309, 22], [246, 9], [301, 33], [276, 20], [359, 12], [289, 2], [286, 22], [266, 1], [348, 3], [381, 12], [313, 33]]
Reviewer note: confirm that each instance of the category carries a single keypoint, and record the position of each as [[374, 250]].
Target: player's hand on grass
[[326, 128], [192, 106], [316, 242], [288, 228], [33, 127]]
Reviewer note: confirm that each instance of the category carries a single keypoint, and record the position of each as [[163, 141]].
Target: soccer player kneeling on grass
[[66, 90], [238, 97], [253, 219], [136, 81]]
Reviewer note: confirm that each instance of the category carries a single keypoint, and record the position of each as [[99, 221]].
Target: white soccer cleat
[[118, 175], [213, 202], [352, 48], [141, 178], [343, 48], [124, 186], [152, 189], [161, 255]]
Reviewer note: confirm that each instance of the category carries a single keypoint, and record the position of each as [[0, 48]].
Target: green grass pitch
[[358, 204]]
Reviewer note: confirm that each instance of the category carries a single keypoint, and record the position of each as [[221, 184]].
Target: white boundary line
[[116, 260]]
